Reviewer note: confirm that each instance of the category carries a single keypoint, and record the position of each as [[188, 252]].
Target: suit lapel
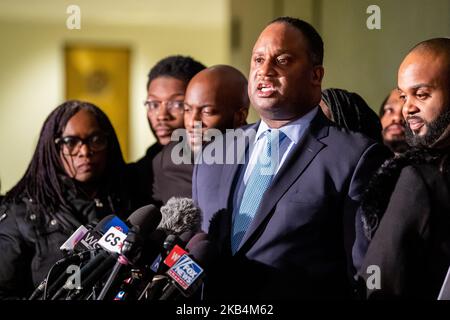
[[229, 171], [296, 163], [228, 185]]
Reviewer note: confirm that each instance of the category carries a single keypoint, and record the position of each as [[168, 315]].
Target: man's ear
[[317, 75], [240, 117]]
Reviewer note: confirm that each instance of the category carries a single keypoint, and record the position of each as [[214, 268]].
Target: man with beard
[[393, 122], [411, 246]]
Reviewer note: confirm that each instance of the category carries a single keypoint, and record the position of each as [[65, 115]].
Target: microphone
[[69, 245], [91, 273], [91, 239], [173, 247], [145, 220], [180, 220], [112, 241], [180, 215], [187, 274], [88, 245], [73, 254]]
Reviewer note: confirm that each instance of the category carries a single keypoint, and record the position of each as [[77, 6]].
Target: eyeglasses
[[173, 107], [71, 145]]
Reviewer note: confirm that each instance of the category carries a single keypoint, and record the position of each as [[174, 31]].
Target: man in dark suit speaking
[[283, 219]]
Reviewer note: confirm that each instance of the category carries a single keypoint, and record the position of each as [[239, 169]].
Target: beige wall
[[31, 52], [366, 61], [356, 58], [32, 75]]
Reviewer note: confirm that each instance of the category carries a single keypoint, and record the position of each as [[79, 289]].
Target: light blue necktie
[[258, 182]]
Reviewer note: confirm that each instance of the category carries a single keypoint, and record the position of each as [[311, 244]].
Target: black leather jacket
[[29, 241]]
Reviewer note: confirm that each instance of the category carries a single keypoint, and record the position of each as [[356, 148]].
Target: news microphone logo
[[117, 223], [89, 241], [185, 272], [120, 296], [74, 238], [174, 255], [112, 240], [155, 265]]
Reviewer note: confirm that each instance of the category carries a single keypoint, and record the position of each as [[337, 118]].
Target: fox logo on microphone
[[185, 272]]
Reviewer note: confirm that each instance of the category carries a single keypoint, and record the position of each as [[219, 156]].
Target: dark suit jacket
[[171, 180], [411, 247], [299, 245]]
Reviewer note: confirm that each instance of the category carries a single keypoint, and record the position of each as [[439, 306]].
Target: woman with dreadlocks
[[349, 111], [75, 176]]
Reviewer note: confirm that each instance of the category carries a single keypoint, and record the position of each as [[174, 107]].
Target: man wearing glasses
[[166, 86], [216, 98]]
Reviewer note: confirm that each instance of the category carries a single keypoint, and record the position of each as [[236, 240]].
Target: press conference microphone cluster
[[178, 221], [145, 222], [87, 244], [114, 251], [181, 220], [142, 221], [187, 274], [79, 247]]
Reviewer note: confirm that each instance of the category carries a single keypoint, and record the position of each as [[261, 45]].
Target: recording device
[[90, 240], [174, 250], [180, 215], [91, 275], [73, 254], [145, 220], [187, 273], [87, 250]]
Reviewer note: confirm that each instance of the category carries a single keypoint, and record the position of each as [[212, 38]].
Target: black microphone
[[88, 251], [187, 273], [73, 254], [93, 272], [172, 250], [145, 220], [91, 238], [180, 220]]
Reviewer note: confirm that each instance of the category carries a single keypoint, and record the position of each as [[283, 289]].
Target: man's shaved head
[[424, 84], [228, 84], [217, 98]]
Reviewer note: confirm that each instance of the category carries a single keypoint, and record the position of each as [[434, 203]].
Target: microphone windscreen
[[99, 227], [145, 218], [195, 240], [180, 215], [186, 236], [204, 253]]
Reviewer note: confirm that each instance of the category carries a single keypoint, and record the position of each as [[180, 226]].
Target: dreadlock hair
[[179, 67], [43, 179], [350, 111]]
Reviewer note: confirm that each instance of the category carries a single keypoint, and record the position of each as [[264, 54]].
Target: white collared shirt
[[294, 132]]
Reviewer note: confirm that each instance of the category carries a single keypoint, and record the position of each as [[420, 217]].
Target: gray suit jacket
[[300, 241]]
